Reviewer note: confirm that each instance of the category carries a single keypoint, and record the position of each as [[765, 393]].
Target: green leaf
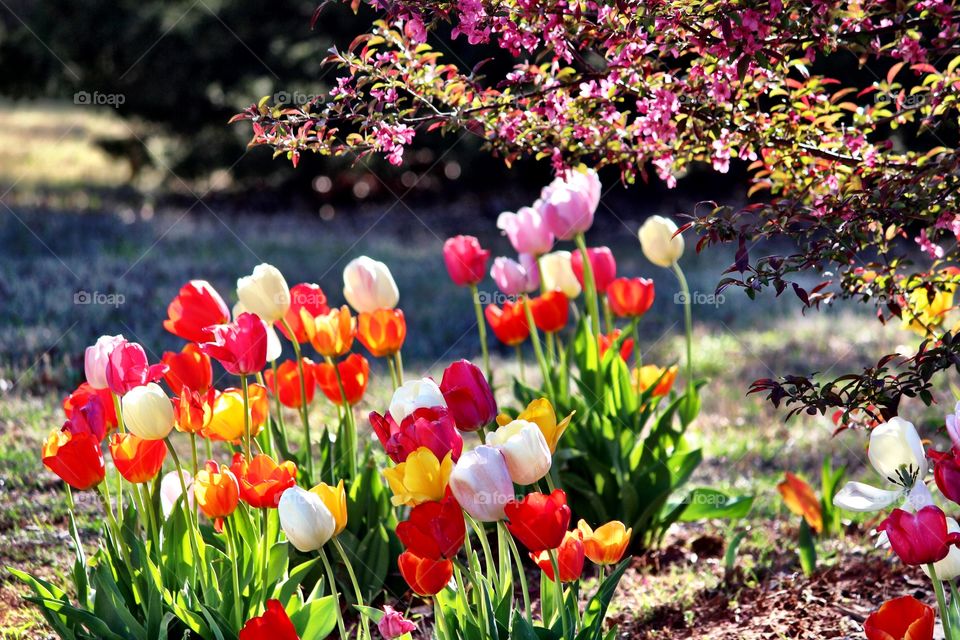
[[316, 619], [596, 609], [730, 556], [703, 504], [806, 549]]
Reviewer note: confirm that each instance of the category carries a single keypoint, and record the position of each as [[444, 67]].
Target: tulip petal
[[862, 498]]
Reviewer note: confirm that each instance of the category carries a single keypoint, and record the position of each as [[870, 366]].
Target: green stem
[[115, 529], [537, 349], [393, 373], [264, 550], [235, 560], [561, 605], [523, 575], [687, 320], [941, 602], [523, 372], [484, 543], [351, 427], [399, 360], [185, 505], [276, 400], [356, 585], [482, 330], [121, 427], [246, 417], [304, 412], [441, 621], [333, 591], [589, 285], [607, 314], [267, 446]]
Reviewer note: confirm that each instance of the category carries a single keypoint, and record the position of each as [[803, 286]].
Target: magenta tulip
[[946, 472], [430, 427], [240, 346], [919, 538], [127, 367], [469, 397], [466, 260]]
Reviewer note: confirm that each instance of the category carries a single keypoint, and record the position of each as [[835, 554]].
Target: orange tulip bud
[[216, 490], [330, 334], [288, 382], [801, 500], [190, 368], [76, 458], [354, 374], [262, 480], [650, 375], [136, 459], [606, 544], [382, 331]]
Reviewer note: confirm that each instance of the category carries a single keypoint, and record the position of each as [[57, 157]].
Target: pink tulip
[[393, 624], [128, 367], [466, 260], [469, 397], [569, 203], [430, 427], [97, 357], [527, 230], [240, 346], [603, 264], [512, 278]]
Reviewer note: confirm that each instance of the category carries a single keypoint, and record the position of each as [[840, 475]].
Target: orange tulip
[[630, 297], [136, 459], [263, 480], [605, 341], [569, 558], [606, 544], [75, 457], [382, 331], [903, 618], [193, 411], [190, 368], [354, 373], [216, 490], [309, 298], [801, 500], [330, 334], [426, 577], [227, 422], [288, 376], [650, 374], [509, 323]]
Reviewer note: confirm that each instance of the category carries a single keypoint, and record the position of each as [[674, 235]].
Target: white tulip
[[170, 490], [524, 448], [305, 519], [368, 285], [556, 274], [658, 242], [480, 481], [147, 412], [414, 395], [265, 293]]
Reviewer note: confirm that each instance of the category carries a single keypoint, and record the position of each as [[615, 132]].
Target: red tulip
[[88, 419], [903, 618], [430, 427], [946, 472], [274, 624], [288, 381], [136, 459], [630, 297], [196, 307], [921, 537], [312, 300], [550, 311], [601, 261], [190, 368], [75, 457], [466, 260], [434, 530], [604, 342], [128, 368], [354, 374], [426, 577], [539, 521], [509, 323], [240, 346], [468, 395], [263, 480], [82, 395], [570, 557]]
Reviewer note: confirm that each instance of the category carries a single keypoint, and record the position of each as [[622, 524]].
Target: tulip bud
[[556, 272], [97, 357], [265, 293], [481, 483], [368, 285], [896, 452], [170, 491], [465, 259], [335, 499], [305, 519], [513, 278], [414, 395], [603, 264], [569, 203], [524, 448], [468, 396], [393, 624], [659, 244], [147, 412], [527, 230]]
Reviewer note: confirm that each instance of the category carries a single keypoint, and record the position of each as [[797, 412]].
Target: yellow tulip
[[541, 413], [421, 478], [335, 499], [650, 374], [606, 544], [922, 313]]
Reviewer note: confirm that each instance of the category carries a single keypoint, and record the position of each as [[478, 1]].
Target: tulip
[[170, 491], [539, 521], [90, 418], [368, 285], [96, 358], [922, 312], [196, 307], [354, 374], [127, 368], [630, 297], [525, 449], [265, 293], [240, 346], [602, 263], [570, 556], [800, 499], [393, 625], [422, 477], [949, 567], [513, 278], [414, 395], [605, 341], [953, 425], [382, 331], [466, 260], [190, 368], [216, 490], [541, 413], [468, 396], [148, 412], [527, 230], [658, 242], [434, 530], [660, 378], [305, 519], [903, 618], [227, 422], [331, 334], [192, 411], [312, 301], [136, 459], [946, 472], [286, 383], [262, 480], [568, 204], [481, 483], [556, 273], [550, 311], [921, 537], [83, 394], [430, 427], [76, 458], [606, 544], [274, 624], [509, 323], [335, 500], [426, 577]]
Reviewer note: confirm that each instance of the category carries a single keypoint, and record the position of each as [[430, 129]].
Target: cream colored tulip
[[305, 519], [524, 448], [368, 285], [556, 274], [413, 395], [265, 293], [659, 244], [147, 412]]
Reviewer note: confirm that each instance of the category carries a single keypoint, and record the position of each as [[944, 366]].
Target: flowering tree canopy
[[858, 171]]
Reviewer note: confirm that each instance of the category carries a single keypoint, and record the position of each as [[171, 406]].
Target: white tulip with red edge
[[413, 395], [95, 360], [368, 285]]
